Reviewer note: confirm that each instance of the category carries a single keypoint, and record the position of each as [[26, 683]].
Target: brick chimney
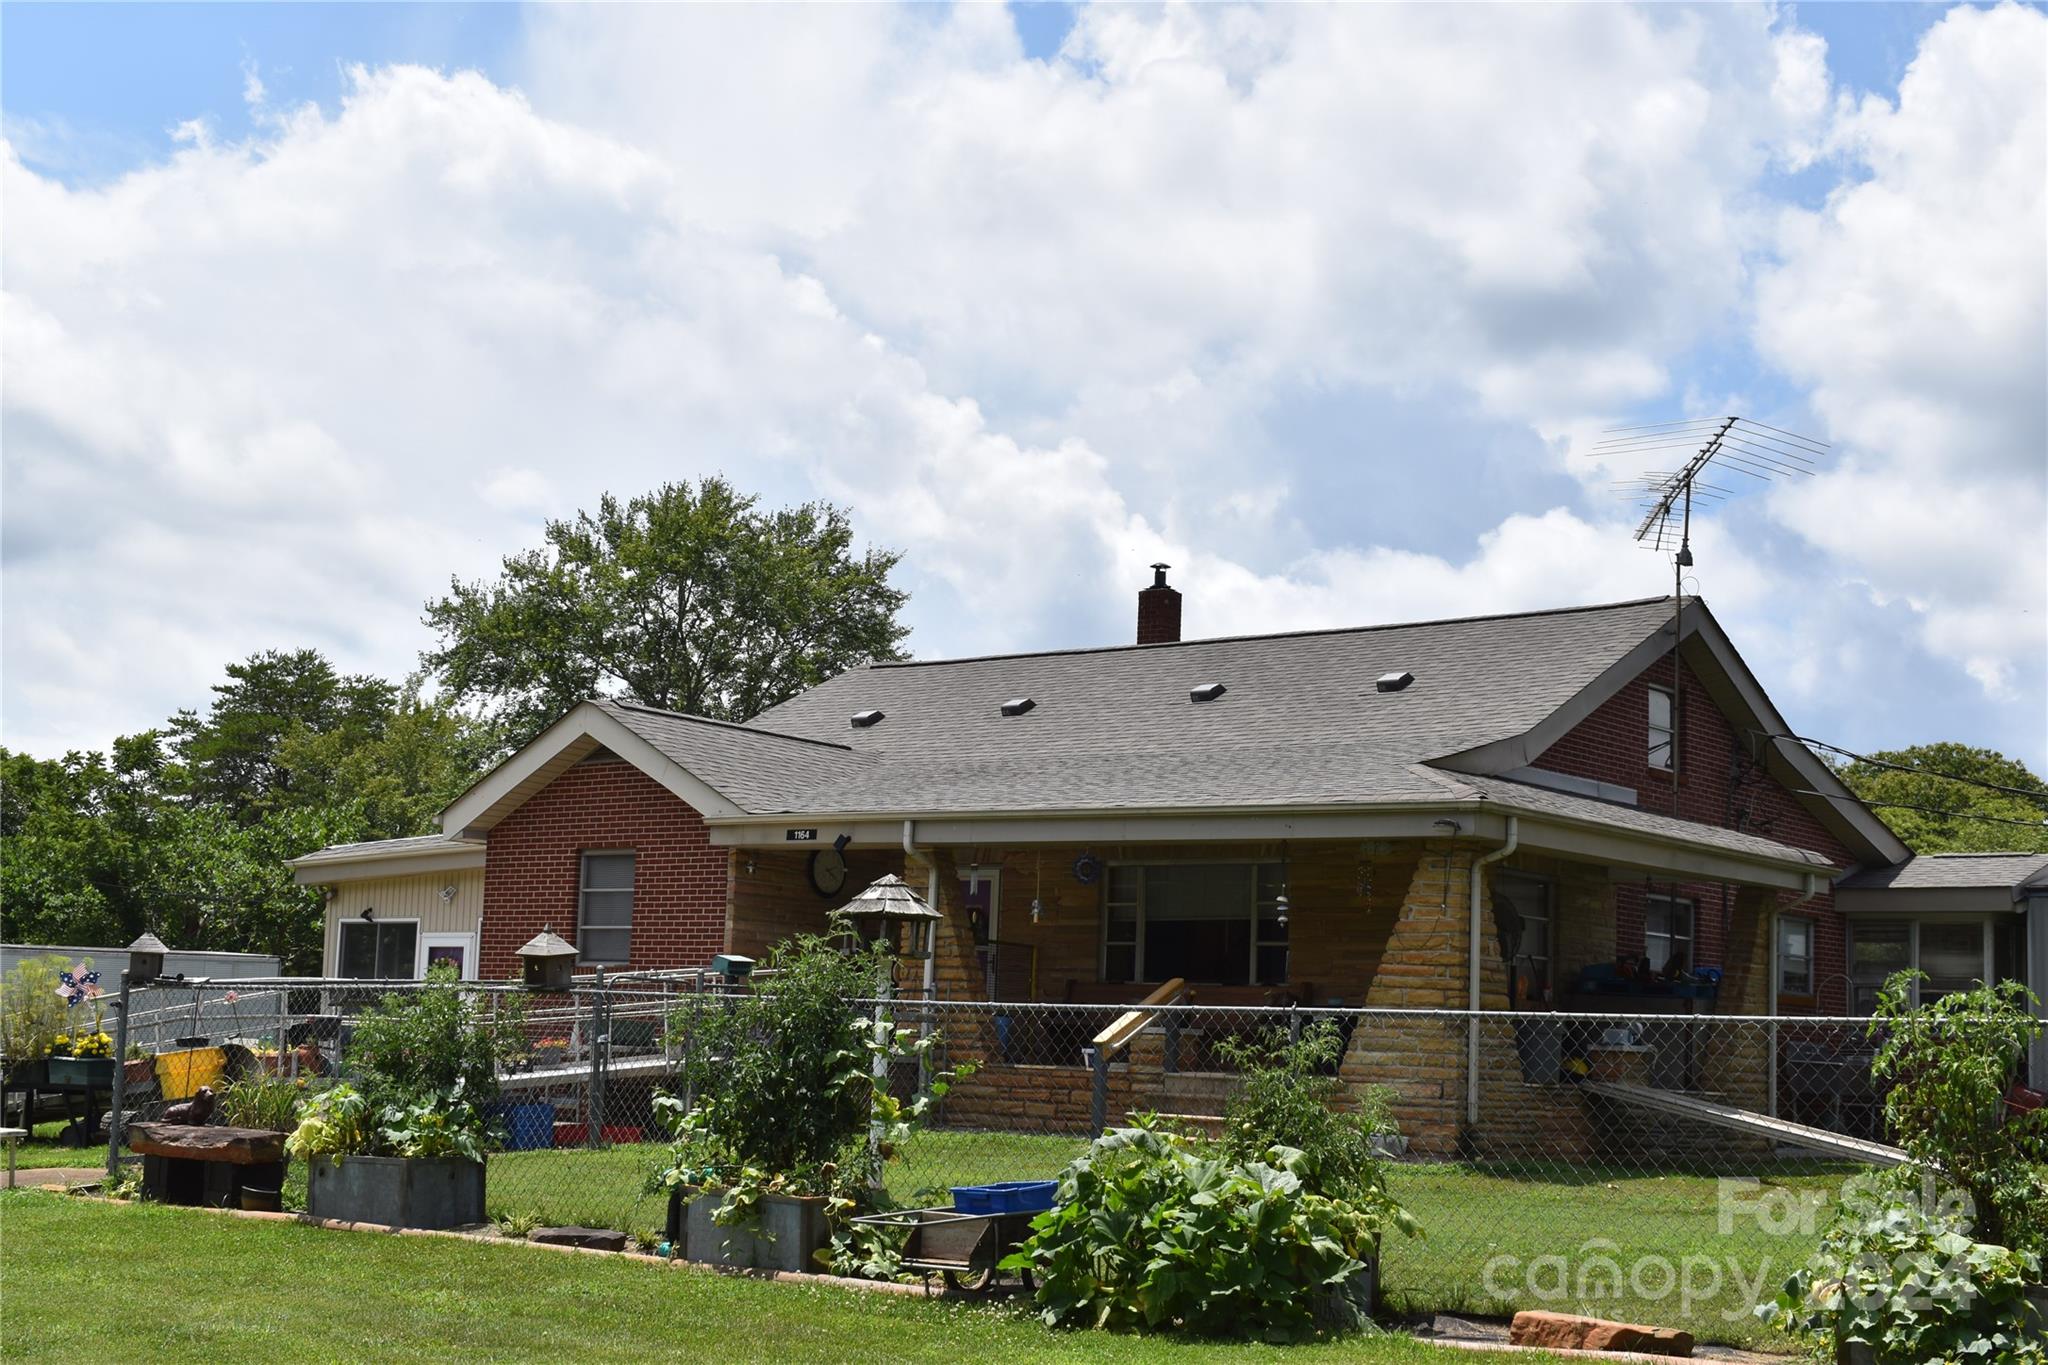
[[1158, 610]]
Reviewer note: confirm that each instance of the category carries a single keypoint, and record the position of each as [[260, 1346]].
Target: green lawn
[[1471, 1215], [142, 1282], [40, 1150]]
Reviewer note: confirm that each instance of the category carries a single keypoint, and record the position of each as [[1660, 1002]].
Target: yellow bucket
[[180, 1074]]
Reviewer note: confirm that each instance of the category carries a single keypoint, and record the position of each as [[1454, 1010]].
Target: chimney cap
[[1159, 575]]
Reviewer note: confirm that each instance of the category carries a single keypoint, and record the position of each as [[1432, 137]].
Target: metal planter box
[[790, 1233], [96, 1072], [399, 1192]]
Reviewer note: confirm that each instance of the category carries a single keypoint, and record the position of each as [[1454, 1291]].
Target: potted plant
[[789, 1125], [550, 1051], [34, 1010], [404, 1142]]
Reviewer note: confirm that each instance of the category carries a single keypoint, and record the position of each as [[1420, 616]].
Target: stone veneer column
[[1737, 1056], [1424, 967]]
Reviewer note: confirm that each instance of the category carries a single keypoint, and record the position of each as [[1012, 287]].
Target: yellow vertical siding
[[406, 898]]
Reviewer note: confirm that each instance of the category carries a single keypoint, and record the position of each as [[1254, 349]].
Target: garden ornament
[[78, 987], [197, 1110]]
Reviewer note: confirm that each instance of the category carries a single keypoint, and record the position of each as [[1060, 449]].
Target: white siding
[[403, 898]]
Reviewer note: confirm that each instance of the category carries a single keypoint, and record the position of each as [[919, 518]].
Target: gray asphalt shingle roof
[[1951, 871], [370, 848], [756, 768]]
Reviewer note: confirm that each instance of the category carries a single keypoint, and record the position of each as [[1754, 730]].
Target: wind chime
[[1038, 890]]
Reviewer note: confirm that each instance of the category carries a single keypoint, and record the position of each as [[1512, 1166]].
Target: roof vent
[[1394, 682], [1017, 706], [863, 719], [1207, 692]]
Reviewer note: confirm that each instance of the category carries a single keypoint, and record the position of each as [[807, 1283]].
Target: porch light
[[546, 960], [890, 911], [146, 959]]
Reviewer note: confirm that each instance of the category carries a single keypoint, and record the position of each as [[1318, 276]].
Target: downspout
[[1472, 947], [1770, 927]]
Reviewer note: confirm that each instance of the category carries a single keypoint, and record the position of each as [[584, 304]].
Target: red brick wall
[[534, 864], [1612, 745]]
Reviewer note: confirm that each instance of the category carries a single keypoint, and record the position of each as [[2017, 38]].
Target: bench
[[209, 1164]]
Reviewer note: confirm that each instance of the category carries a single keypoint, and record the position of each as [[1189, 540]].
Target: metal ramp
[[1746, 1121]]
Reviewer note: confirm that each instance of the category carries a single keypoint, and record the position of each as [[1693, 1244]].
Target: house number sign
[[801, 836]]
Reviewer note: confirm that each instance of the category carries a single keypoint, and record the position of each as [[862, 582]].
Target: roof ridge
[[742, 727], [1283, 634]]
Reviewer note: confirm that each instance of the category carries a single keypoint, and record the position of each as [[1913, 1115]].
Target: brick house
[[1303, 817]]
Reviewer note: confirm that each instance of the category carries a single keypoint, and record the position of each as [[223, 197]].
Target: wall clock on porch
[[828, 871]]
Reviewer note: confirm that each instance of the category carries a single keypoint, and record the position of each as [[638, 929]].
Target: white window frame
[[418, 960], [1987, 929], [583, 888], [1669, 730], [1690, 938], [1138, 944], [466, 942], [1812, 987], [1549, 921]]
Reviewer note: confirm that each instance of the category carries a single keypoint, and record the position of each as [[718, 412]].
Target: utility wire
[[2032, 795], [1925, 810]]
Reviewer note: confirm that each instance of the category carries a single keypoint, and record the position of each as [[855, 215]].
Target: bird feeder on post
[[145, 964], [890, 912], [547, 960], [146, 960]]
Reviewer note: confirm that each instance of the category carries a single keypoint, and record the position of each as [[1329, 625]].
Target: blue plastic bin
[[529, 1126], [1008, 1196]]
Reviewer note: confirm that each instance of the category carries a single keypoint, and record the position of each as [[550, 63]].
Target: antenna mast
[[1737, 444]]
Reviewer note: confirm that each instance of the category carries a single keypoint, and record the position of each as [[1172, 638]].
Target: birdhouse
[[890, 911], [547, 960], [146, 959]]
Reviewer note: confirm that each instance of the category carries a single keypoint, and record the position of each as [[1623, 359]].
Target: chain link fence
[[1670, 1168]]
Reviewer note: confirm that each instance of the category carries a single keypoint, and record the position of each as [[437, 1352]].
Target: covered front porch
[[1246, 934]]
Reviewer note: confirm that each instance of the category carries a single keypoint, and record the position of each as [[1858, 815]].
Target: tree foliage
[[1935, 815], [185, 831], [688, 598]]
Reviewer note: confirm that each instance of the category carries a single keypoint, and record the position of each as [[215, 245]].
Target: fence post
[[120, 1095], [593, 1099], [1170, 1062], [1293, 1022], [1099, 1107]]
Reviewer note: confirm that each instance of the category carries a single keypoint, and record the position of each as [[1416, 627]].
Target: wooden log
[[206, 1142]]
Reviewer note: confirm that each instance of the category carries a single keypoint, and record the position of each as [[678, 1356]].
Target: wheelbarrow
[[961, 1248]]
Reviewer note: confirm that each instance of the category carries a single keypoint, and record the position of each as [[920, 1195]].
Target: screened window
[[1660, 728], [1211, 922], [1875, 952], [1667, 933], [1521, 910], [1795, 955], [1952, 955], [377, 950], [604, 917]]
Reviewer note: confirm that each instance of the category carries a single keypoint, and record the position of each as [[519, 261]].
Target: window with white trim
[[1667, 932], [604, 909], [1954, 953], [379, 950], [1661, 751], [1217, 923], [1795, 955]]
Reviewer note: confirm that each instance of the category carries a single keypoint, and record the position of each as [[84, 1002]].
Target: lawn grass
[[1471, 1215], [40, 1151], [144, 1282]]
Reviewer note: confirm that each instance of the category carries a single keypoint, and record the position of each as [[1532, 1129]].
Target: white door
[[456, 950]]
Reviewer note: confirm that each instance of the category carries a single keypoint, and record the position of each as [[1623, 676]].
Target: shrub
[[32, 1014], [1156, 1230], [1949, 1066], [436, 1040], [335, 1123], [269, 1102], [1898, 1272], [1286, 1097]]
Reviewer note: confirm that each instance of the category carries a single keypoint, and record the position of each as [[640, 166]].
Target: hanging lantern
[[547, 960]]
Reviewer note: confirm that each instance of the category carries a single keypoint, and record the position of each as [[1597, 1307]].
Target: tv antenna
[[1728, 448]]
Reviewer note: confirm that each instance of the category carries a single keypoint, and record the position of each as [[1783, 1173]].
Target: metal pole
[[1098, 1110], [881, 1076], [120, 1096], [593, 1105]]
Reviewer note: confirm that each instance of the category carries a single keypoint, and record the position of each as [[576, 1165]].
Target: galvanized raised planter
[[788, 1235], [399, 1192]]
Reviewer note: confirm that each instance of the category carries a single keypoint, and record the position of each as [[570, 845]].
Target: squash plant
[[1157, 1230]]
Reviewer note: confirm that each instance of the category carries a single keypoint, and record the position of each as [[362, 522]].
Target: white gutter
[[1472, 948], [1770, 926]]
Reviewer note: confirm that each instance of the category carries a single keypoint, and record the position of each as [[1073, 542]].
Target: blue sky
[[1323, 306]]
